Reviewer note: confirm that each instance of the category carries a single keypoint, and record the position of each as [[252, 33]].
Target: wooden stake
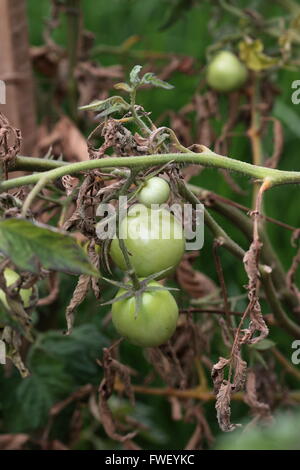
[[16, 72]]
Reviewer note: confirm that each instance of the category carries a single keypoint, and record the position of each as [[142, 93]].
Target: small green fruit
[[153, 324], [155, 191], [226, 72]]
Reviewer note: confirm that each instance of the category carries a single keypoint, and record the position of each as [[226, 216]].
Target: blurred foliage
[[281, 435]]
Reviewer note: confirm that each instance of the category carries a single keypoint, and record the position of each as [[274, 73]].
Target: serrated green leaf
[[78, 352], [151, 79], [134, 75], [37, 393], [29, 245]]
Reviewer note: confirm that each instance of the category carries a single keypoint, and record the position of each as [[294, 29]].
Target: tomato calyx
[[133, 290]]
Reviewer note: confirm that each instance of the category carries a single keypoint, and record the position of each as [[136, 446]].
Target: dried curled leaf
[[13, 343], [223, 407], [13, 441], [257, 321], [217, 373], [113, 369], [260, 410], [197, 284], [10, 144], [64, 139], [79, 295], [240, 371]]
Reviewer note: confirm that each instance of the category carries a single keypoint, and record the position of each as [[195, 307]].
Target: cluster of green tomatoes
[[144, 232]]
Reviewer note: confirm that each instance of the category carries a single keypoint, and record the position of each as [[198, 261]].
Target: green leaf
[[113, 109], [288, 116], [251, 52], [103, 105], [151, 79], [263, 345], [123, 86], [134, 75], [78, 352], [94, 106], [36, 394], [30, 246]]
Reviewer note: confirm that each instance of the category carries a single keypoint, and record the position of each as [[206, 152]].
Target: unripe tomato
[[226, 72], [11, 277], [154, 240], [155, 191], [153, 324]]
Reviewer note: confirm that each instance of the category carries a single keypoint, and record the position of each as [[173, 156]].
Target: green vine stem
[[73, 18], [206, 158], [139, 122]]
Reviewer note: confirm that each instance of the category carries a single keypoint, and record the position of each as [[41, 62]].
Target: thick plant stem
[[206, 158], [197, 392], [220, 235], [254, 132]]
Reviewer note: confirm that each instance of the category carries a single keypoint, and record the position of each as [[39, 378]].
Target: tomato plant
[[226, 72], [153, 238], [154, 191], [104, 140], [150, 325]]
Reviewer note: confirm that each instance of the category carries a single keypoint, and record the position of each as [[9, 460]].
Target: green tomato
[[226, 72], [11, 277], [155, 191], [153, 324], [154, 239]]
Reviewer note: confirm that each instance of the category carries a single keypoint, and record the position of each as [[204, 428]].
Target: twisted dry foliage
[[13, 441], [225, 388], [113, 369], [195, 283], [10, 144], [261, 411]]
